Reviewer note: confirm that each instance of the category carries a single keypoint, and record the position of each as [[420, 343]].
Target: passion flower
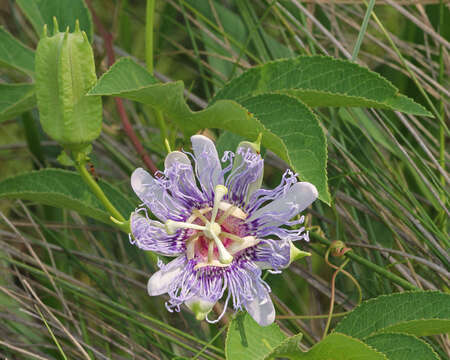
[[220, 225]]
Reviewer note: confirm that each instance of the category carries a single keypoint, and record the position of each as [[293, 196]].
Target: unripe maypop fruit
[[65, 72]]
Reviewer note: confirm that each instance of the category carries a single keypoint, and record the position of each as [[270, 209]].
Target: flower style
[[220, 225]]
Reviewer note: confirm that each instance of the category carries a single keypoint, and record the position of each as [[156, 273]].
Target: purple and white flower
[[220, 226]]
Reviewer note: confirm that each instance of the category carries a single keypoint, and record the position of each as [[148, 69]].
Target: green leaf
[[287, 349], [15, 54], [402, 347], [338, 347], [321, 81], [15, 99], [417, 313], [41, 12], [295, 135], [64, 189], [246, 340], [288, 127]]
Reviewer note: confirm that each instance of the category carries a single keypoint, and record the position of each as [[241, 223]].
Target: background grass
[[74, 288]]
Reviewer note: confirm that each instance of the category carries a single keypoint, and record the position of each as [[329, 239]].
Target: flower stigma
[[212, 231]]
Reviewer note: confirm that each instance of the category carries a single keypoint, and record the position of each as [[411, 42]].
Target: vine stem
[[378, 269], [127, 127], [307, 317], [149, 26], [333, 287], [149, 23]]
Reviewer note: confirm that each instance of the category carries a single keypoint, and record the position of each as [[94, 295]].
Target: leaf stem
[[80, 165]]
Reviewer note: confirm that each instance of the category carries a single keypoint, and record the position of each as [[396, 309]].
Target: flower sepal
[[297, 254], [199, 307]]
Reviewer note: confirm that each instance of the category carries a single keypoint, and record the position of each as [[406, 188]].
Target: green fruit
[[65, 72]]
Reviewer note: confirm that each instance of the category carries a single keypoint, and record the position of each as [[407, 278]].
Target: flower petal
[[161, 281], [155, 196], [272, 254], [208, 168], [151, 235], [246, 174], [261, 309], [182, 183], [295, 200]]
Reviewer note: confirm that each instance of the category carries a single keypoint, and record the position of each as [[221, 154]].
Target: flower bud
[[65, 72]]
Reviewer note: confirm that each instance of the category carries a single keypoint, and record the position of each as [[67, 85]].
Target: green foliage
[[15, 99], [416, 313], [371, 331], [15, 54], [64, 189], [401, 347], [288, 348], [65, 71], [288, 127], [294, 134], [388, 190], [246, 340], [321, 81], [340, 347], [41, 12]]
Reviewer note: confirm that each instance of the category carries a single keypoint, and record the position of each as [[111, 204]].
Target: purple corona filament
[[220, 226]]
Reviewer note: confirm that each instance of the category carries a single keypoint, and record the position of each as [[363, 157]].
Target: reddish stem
[[108, 43]]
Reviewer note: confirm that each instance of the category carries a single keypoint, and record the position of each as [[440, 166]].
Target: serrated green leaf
[[401, 347], [64, 189], [421, 327], [287, 349], [338, 347], [321, 81], [15, 54], [289, 128], [246, 340], [295, 135], [41, 12], [416, 313], [15, 99]]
